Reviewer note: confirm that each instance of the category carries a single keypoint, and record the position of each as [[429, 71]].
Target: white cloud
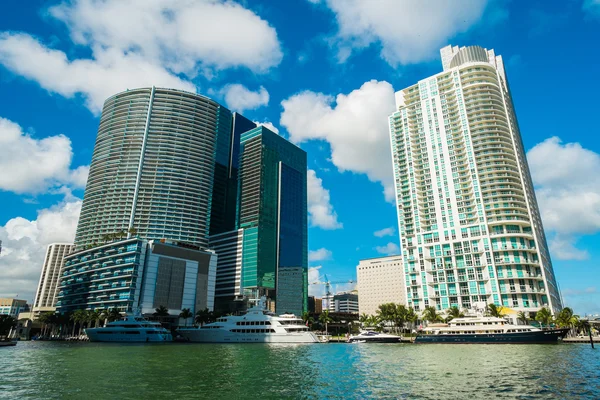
[[182, 35], [320, 211], [32, 165], [408, 31], [592, 7], [137, 43], [389, 249], [240, 98], [319, 255], [385, 232], [109, 72], [24, 245], [356, 128], [267, 125], [582, 301], [567, 181]]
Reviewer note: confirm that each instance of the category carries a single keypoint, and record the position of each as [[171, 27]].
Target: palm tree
[[44, 319], [523, 317], [566, 318], [79, 317], [544, 317], [94, 317], [161, 311], [109, 315], [494, 311], [453, 312], [411, 316], [308, 319], [583, 325], [132, 231], [363, 318], [430, 315], [186, 314], [325, 319], [202, 316], [6, 323]]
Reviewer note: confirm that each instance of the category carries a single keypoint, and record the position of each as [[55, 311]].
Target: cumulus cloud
[[319, 255], [239, 98], [355, 126], [24, 245], [567, 181], [407, 31], [268, 125], [389, 249], [33, 165], [320, 211], [385, 232], [136, 43]]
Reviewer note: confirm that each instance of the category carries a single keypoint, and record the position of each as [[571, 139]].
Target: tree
[[186, 314], [363, 318], [161, 311], [453, 312], [430, 315], [132, 231], [79, 317], [308, 319], [109, 315], [325, 319], [493, 310], [203, 316], [523, 317], [583, 325], [94, 317], [6, 323], [544, 317], [45, 319], [566, 318]]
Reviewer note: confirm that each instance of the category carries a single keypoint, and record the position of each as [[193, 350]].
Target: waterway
[[54, 370]]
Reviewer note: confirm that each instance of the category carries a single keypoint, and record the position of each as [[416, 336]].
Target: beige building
[[380, 281], [12, 307], [47, 291]]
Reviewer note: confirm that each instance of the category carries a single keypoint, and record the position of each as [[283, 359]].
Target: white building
[[47, 290], [469, 222], [380, 281], [346, 302]]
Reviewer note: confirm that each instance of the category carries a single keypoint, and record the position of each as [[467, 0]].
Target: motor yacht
[[369, 336], [487, 330], [257, 325], [132, 328]]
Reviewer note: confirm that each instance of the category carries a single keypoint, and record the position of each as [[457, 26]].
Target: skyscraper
[[470, 226], [272, 211], [153, 167], [47, 290]]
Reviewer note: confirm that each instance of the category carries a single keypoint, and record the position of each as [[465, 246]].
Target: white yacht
[[370, 336], [132, 328], [487, 330], [257, 325]]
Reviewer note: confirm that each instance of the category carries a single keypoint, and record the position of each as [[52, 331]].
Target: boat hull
[[375, 340], [536, 337], [101, 335], [8, 343], [225, 336]]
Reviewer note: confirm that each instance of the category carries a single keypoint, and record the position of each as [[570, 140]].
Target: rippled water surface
[[45, 370]]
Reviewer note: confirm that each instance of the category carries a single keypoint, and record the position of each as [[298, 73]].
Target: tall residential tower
[[46, 295], [470, 226]]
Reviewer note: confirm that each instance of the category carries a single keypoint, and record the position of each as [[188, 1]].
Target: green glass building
[[272, 211]]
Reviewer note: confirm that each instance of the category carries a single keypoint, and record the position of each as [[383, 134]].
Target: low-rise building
[[136, 274], [380, 280], [13, 307], [346, 302]]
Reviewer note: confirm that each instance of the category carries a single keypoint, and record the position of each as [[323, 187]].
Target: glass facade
[[272, 210]]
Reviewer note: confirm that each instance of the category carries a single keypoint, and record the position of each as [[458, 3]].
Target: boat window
[[132, 332]]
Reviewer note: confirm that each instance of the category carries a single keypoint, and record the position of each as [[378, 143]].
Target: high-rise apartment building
[[47, 290], [153, 167], [470, 227], [272, 211], [379, 281]]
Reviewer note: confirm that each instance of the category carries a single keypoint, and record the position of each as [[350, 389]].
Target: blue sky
[[323, 74]]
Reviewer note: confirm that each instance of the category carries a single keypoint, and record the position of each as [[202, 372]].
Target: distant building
[[228, 290], [136, 274], [380, 280], [318, 306], [47, 290], [469, 222], [290, 287], [311, 304], [13, 307], [346, 302]]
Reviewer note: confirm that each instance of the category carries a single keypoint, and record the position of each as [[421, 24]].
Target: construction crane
[[328, 288]]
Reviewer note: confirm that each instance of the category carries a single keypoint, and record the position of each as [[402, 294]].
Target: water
[[51, 370]]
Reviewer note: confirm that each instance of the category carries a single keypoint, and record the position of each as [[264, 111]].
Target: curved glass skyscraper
[[153, 167], [470, 226]]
